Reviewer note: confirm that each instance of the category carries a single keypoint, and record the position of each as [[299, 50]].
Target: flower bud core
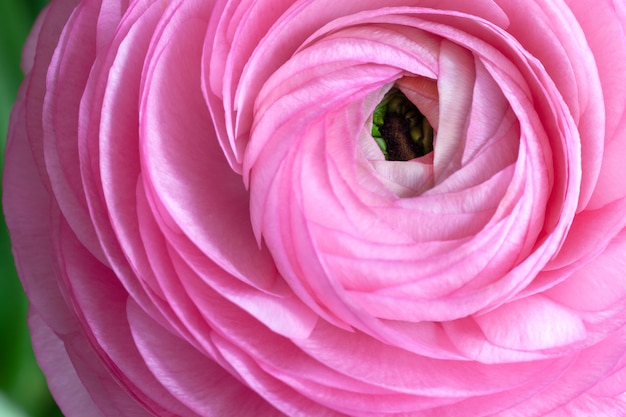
[[400, 129]]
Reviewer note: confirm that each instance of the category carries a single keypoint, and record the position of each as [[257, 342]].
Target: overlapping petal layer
[[205, 226]]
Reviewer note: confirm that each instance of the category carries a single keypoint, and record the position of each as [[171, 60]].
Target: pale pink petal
[[598, 285], [522, 325], [180, 156], [206, 387], [66, 386]]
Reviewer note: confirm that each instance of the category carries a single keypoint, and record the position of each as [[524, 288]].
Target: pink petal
[[531, 323], [179, 161]]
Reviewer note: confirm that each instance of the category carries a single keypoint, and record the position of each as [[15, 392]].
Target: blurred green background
[[23, 390]]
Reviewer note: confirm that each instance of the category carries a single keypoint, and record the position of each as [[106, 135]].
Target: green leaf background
[[23, 390]]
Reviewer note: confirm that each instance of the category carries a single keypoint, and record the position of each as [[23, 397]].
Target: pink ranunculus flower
[[210, 216]]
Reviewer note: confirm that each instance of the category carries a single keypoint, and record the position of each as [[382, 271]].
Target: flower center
[[400, 129]]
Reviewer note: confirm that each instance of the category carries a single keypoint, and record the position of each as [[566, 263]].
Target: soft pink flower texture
[[205, 226]]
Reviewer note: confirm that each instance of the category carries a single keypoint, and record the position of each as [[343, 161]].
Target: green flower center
[[400, 129]]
